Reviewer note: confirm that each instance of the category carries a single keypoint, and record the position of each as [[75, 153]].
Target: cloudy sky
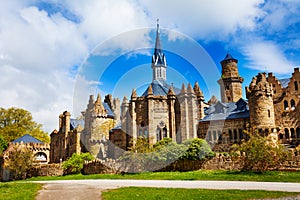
[[46, 47]]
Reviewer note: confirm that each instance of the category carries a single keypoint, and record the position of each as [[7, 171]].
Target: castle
[[164, 111]]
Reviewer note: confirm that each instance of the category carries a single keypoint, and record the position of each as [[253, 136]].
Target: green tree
[[261, 154], [74, 164], [16, 122], [3, 145], [20, 160]]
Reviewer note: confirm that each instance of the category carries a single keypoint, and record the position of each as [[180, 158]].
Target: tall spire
[[159, 63]]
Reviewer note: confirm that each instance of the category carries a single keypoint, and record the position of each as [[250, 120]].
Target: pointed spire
[[183, 90], [171, 91], [98, 101], [190, 89], [158, 57], [197, 90], [125, 99], [150, 90], [133, 94]]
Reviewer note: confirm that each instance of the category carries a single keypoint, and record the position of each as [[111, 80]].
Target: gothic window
[[286, 105], [209, 136], [165, 132], [146, 133], [230, 134], [269, 113], [219, 136], [241, 134], [280, 136], [274, 88], [298, 132], [159, 72], [286, 133], [214, 135], [293, 133], [158, 134], [235, 134], [293, 104], [296, 85], [228, 98]]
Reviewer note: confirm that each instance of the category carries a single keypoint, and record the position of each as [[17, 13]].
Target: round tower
[[230, 82], [260, 101]]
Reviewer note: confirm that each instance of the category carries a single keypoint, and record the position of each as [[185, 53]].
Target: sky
[[55, 53]]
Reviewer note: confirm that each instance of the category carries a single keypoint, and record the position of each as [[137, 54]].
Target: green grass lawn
[[270, 176], [18, 190], [172, 193]]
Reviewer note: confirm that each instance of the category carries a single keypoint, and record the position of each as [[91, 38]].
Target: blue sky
[[54, 54]]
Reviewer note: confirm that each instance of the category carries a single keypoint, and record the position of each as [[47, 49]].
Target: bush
[[197, 149], [262, 154], [74, 164]]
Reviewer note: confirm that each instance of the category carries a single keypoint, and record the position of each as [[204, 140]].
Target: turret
[[230, 82], [260, 101]]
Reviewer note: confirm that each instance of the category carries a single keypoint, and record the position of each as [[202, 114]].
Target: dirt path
[[91, 189]]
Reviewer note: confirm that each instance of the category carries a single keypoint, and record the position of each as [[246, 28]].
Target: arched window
[[219, 136], [280, 136], [209, 136], [293, 133], [235, 134], [158, 134], [293, 105], [269, 113], [214, 136], [296, 85], [298, 132], [286, 105], [241, 134], [165, 132], [230, 134], [286, 133]]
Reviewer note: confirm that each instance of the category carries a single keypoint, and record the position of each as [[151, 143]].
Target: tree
[[20, 160], [3, 145], [74, 164], [261, 154], [16, 122]]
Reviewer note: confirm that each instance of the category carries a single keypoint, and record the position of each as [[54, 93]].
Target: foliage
[[74, 164], [20, 160], [261, 154], [17, 190], [180, 193], [16, 122], [143, 157], [198, 149], [3, 145]]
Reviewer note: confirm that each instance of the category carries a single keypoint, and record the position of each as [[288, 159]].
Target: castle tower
[[260, 101], [230, 82], [159, 64]]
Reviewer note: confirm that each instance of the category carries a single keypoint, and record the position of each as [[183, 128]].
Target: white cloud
[[39, 49], [205, 19], [267, 56]]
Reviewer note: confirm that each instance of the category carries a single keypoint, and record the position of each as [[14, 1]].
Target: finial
[[157, 22]]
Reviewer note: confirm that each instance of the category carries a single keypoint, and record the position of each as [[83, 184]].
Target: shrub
[[262, 154], [74, 164]]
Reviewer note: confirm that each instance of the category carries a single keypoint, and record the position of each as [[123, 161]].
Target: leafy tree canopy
[[3, 145], [16, 122]]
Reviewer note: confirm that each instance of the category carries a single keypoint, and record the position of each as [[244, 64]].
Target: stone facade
[[65, 141]]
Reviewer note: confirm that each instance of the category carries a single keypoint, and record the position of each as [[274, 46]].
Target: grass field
[[171, 193], [270, 176], [17, 190]]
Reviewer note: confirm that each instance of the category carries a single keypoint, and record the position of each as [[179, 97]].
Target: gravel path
[[91, 189]]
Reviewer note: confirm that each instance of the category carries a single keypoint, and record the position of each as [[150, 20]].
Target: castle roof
[[76, 122], [284, 82], [158, 57], [160, 89], [227, 111], [109, 112], [27, 139], [229, 57]]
